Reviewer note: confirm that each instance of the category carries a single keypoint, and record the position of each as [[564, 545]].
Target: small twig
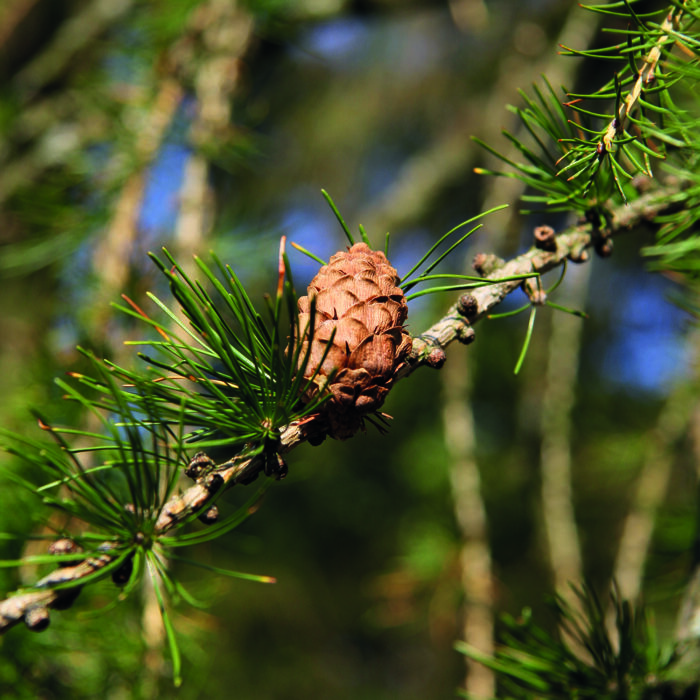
[[645, 76], [571, 244], [32, 607]]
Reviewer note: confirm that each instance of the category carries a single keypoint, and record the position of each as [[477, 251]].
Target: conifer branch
[[571, 244], [32, 607], [59, 588]]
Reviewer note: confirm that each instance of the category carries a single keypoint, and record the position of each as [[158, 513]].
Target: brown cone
[[357, 297]]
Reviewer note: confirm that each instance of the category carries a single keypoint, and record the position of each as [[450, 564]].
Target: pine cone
[[357, 297]]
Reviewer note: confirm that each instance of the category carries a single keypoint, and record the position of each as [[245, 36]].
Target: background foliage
[[213, 125]]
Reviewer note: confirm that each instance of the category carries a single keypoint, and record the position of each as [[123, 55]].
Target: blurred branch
[[72, 36], [688, 622], [226, 32], [579, 29], [111, 258], [56, 137], [477, 576], [470, 513], [651, 489], [11, 15], [555, 450], [450, 154]]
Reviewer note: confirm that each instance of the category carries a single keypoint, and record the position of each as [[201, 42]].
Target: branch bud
[[465, 335], [603, 246], [467, 306], [486, 263], [545, 238], [200, 464], [210, 515], [37, 619], [64, 546], [534, 291], [121, 576]]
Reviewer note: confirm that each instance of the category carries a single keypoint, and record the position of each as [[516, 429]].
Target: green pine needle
[[364, 235], [257, 578], [407, 283], [338, 216], [526, 342], [308, 253]]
